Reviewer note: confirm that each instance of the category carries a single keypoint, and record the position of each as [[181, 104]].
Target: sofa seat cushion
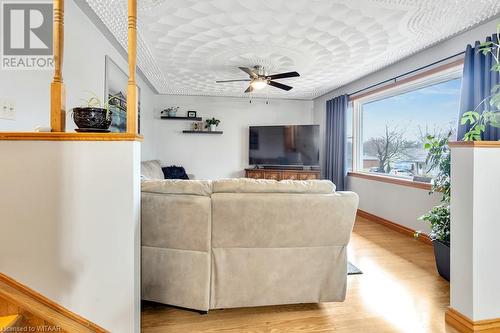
[[247, 185], [151, 170], [177, 186]]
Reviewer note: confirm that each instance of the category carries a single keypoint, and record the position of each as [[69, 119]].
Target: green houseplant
[[170, 111], [439, 157], [211, 124], [490, 116]]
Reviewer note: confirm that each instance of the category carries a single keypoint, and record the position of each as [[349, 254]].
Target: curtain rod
[[395, 78]]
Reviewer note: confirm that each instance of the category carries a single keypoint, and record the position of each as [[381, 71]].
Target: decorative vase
[[212, 127], [92, 118]]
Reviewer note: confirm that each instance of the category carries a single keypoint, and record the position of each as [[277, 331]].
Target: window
[[391, 126]]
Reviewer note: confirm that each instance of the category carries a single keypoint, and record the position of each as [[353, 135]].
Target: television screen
[[296, 145]]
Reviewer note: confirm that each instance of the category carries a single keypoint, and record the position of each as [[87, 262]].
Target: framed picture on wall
[[115, 92], [191, 114]]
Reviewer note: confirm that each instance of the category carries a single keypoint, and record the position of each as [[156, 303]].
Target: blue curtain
[[478, 79], [335, 133]]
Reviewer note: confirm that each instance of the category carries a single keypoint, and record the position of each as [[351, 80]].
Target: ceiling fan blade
[[248, 71], [283, 75], [249, 89], [224, 81], [279, 85]]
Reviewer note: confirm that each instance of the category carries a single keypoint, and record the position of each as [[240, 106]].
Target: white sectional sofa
[[244, 242]]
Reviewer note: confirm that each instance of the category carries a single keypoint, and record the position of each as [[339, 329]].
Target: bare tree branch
[[389, 147]]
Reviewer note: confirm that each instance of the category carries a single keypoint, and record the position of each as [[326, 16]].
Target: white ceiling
[[185, 45]]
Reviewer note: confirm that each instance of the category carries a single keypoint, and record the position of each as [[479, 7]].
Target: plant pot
[[212, 128], [95, 118], [172, 113], [442, 255]]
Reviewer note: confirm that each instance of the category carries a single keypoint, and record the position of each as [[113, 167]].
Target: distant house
[[370, 162]]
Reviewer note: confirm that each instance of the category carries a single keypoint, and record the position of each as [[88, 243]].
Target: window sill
[[391, 180]]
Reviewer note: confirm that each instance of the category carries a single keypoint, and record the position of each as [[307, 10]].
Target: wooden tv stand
[[281, 174]]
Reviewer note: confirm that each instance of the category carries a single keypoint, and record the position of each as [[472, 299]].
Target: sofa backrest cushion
[[177, 186], [151, 170], [246, 185]]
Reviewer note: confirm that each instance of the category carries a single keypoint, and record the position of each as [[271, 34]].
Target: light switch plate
[[7, 109]]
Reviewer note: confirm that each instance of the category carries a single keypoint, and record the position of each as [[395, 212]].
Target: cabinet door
[[308, 176], [290, 175], [275, 175], [255, 174]]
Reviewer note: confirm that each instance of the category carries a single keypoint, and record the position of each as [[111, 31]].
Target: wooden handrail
[[57, 90], [35, 303], [132, 91]]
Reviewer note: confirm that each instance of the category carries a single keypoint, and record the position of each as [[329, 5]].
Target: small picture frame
[[191, 114]]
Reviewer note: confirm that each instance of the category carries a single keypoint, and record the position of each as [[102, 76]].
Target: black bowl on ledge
[[88, 119]]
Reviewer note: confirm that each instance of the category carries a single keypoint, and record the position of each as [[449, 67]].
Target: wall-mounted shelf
[[203, 132], [182, 118]]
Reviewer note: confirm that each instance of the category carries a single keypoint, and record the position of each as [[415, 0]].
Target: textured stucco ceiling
[[185, 45]]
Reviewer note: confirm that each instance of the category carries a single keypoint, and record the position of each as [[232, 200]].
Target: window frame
[[440, 74]]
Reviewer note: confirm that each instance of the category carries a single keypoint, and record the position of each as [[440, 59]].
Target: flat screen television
[[294, 145]]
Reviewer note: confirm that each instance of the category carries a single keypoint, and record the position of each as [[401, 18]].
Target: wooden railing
[[58, 95], [19, 299], [132, 91], [58, 98]]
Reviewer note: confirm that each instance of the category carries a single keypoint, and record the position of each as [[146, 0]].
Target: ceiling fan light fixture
[[258, 84]]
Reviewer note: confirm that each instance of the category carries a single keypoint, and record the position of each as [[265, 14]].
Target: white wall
[[84, 51], [71, 210], [411, 202], [218, 156], [70, 225], [396, 203]]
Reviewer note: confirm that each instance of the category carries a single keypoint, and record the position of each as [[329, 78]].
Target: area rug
[[352, 270]]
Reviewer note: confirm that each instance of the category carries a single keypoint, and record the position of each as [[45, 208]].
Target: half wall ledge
[[66, 136], [474, 144]]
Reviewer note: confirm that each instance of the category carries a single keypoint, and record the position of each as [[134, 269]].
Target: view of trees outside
[[394, 129]]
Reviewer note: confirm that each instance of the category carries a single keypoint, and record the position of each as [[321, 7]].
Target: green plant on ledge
[[479, 121], [95, 102], [439, 156], [212, 121]]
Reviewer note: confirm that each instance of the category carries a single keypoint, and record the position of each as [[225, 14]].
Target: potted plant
[[171, 111], [211, 124], [439, 157], [479, 121], [94, 116]]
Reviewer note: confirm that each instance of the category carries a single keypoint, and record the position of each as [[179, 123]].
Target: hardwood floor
[[399, 291]]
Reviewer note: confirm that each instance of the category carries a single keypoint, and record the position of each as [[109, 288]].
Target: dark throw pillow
[[174, 172]]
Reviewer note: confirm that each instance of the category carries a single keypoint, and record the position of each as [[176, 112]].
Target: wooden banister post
[[57, 91], [132, 91]]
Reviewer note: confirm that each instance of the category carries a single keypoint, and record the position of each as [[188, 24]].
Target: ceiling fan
[[259, 79]]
